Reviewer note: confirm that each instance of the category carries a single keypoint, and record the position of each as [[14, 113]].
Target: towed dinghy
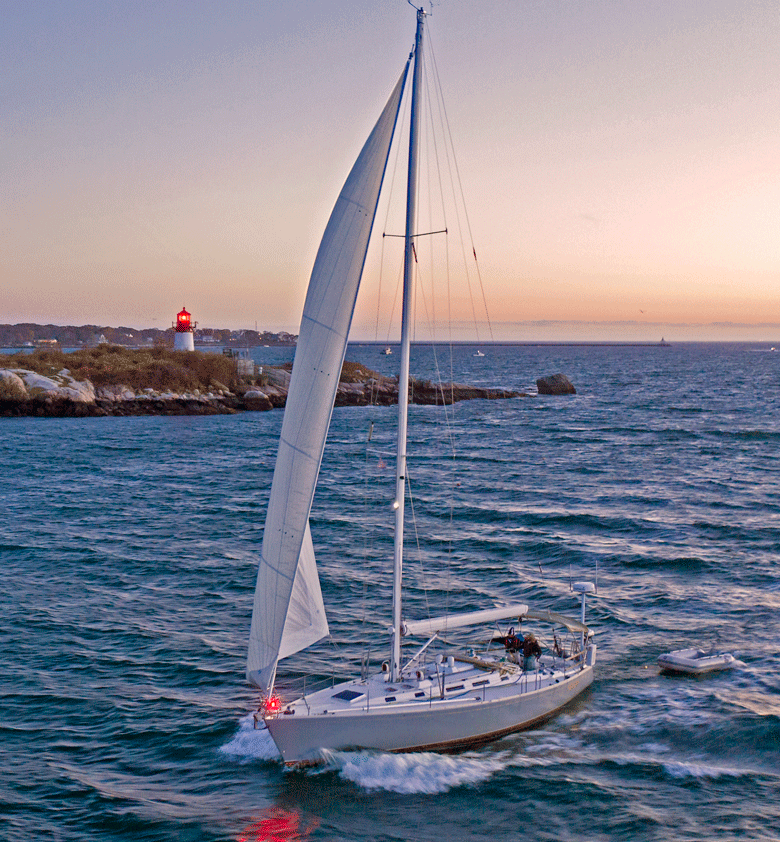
[[695, 661]]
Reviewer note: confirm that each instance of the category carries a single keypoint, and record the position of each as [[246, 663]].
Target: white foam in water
[[550, 743], [250, 743], [414, 773], [569, 720], [674, 768], [654, 748], [679, 769]]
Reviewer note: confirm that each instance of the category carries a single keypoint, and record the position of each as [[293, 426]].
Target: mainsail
[[288, 612]]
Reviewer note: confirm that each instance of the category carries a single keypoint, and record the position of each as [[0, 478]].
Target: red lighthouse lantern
[[183, 321], [183, 338]]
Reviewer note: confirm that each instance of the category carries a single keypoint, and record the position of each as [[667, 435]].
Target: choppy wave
[[128, 563]]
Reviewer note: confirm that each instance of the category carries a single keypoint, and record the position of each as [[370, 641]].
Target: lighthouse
[[183, 338]]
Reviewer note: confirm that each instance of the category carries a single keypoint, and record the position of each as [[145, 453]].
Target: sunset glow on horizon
[[619, 160]]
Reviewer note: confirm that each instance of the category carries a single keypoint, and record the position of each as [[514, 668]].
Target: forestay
[[288, 612]]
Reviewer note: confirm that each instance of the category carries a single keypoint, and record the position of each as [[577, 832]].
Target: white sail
[[306, 622], [322, 342]]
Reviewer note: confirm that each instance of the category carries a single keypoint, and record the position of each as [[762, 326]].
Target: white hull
[[477, 715]]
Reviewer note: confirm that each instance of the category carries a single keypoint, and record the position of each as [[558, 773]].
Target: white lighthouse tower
[[184, 338]]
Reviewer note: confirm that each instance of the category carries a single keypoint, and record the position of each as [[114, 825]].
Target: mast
[[403, 377]]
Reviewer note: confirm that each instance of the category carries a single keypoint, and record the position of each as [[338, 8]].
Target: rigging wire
[[451, 147], [365, 520], [424, 584], [445, 189], [388, 204], [439, 199]]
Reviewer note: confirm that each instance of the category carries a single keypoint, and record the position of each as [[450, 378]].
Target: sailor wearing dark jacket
[[513, 643], [531, 651]]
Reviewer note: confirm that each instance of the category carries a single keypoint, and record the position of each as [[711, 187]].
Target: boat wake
[[429, 773], [698, 770], [548, 748], [417, 772], [250, 744]]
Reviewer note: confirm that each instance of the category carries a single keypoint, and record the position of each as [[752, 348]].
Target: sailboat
[[423, 701]]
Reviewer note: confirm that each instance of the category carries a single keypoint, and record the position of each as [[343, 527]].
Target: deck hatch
[[348, 695]]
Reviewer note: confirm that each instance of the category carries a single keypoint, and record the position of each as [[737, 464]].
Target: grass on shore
[[351, 372], [157, 368]]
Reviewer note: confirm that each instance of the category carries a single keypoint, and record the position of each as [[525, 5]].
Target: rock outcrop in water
[[555, 384], [27, 393]]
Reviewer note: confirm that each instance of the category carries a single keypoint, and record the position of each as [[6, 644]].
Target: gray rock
[[257, 401], [11, 385], [221, 388], [58, 386], [555, 384], [118, 392], [277, 376]]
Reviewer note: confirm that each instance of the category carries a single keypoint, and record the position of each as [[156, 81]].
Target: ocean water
[[128, 552]]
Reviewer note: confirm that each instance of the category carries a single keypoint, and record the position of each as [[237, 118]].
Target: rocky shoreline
[[27, 393]]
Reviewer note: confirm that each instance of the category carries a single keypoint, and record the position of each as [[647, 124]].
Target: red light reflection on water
[[278, 826]]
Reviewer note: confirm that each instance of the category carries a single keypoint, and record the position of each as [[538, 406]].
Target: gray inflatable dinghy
[[695, 661]]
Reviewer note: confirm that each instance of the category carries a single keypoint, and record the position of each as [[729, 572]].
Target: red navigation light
[[272, 705]]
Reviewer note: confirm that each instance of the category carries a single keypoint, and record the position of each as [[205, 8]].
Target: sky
[[620, 160]]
